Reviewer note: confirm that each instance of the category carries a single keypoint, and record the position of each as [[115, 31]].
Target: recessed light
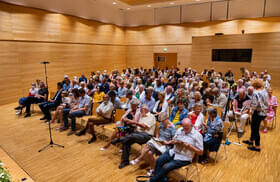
[[148, 6], [197, 0], [128, 8], [171, 3], [114, 3]]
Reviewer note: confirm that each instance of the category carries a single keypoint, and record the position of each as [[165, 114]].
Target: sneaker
[[134, 162], [150, 172], [265, 130]]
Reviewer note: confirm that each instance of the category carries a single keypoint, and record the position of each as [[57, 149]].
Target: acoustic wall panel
[[246, 9], [138, 18], [196, 12], [168, 15], [272, 8], [219, 10]]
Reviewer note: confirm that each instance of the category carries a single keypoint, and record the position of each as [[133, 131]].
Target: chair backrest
[[118, 114], [123, 99], [52, 94], [94, 107], [156, 127]]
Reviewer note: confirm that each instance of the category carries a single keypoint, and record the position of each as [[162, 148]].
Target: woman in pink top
[[272, 107]]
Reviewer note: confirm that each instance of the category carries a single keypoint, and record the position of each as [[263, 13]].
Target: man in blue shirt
[[148, 99]]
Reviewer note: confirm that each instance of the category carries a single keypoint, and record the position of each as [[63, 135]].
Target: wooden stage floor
[[79, 162]]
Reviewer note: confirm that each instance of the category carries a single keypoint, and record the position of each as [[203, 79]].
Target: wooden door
[[163, 60]]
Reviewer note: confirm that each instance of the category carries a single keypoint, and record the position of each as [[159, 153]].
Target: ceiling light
[[197, 0], [148, 6], [171, 3], [114, 3], [128, 8]]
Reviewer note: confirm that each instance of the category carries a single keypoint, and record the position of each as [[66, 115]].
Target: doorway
[[162, 60]]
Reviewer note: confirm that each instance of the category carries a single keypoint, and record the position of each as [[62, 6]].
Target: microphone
[[45, 62]]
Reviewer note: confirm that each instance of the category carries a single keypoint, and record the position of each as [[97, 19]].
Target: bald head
[[241, 93], [187, 125]]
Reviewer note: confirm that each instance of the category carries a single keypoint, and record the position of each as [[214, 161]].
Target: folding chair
[[224, 138]]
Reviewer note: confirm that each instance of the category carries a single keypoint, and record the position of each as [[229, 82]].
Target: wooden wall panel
[[20, 64], [72, 45], [266, 53]]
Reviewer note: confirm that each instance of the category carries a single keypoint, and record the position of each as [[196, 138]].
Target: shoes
[[71, 133], [115, 141], [82, 132], [43, 118], [102, 149], [254, 149], [150, 172], [93, 138], [265, 130], [123, 164], [247, 142], [27, 115], [134, 162]]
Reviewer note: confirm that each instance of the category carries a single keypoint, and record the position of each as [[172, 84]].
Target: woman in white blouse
[[161, 105]]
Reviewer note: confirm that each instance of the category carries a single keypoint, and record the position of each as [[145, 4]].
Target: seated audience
[[197, 117], [220, 100], [80, 110], [23, 100], [104, 115], [148, 99], [213, 137], [98, 95], [144, 131], [66, 103], [161, 105], [181, 96], [115, 100], [52, 103], [187, 142], [129, 97], [122, 90], [158, 146], [272, 108], [197, 99], [169, 95], [241, 109], [178, 114], [83, 78]]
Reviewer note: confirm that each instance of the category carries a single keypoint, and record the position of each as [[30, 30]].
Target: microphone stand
[[51, 144]]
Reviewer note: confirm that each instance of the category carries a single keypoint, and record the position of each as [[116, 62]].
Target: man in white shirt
[[104, 113], [187, 142], [144, 132]]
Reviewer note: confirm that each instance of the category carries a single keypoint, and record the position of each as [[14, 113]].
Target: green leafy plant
[[4, 174]]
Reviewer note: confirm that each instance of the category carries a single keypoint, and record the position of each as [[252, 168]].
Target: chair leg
[[225, 150], [216, 157], [187, 171], [197, 172]]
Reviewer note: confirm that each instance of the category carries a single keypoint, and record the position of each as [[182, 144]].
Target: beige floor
[[78, 161]]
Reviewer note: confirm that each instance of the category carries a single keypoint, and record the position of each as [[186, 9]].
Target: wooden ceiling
[[143, 2]]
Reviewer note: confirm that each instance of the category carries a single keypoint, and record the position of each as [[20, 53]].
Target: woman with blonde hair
[[259, 107]]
